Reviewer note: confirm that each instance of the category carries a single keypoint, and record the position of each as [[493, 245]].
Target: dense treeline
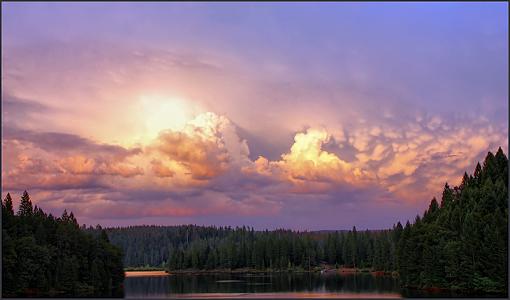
[[47, 256], [461, 242], [152, 245], [284, 250], [197, 247]]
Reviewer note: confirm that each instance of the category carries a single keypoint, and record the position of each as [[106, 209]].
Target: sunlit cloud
[[208, 148]]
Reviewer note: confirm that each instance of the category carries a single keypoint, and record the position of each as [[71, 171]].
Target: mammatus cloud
[[412, 161]]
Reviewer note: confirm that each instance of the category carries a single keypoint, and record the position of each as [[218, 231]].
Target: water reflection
[[261, 285]]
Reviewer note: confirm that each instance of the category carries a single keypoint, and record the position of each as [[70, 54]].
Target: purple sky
[[297, 115]]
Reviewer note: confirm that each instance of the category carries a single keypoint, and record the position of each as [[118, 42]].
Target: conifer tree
[[25, 206]]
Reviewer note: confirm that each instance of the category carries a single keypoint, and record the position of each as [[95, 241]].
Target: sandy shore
[[289, 295], [145, 273]]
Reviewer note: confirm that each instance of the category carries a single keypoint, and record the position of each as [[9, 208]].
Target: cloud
[[204, 159], [203, 169], [160, 169], [308, 167], [406, 161], [58, 142], [82, 165], [416, 165], [267, 141], [205, 148], [61, 161], [165, 180], [104, 204], [16, 109]]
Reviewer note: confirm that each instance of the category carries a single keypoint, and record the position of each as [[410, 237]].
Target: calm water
[[285, 285]]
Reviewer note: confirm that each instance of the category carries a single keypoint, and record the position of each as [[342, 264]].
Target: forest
[[208, 248], [460, 242], [45, 256]]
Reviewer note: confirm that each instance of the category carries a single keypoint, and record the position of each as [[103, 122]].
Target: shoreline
[[249, 270], [145, 273]]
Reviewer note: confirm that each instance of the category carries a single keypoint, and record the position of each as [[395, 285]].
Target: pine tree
[[447, 197], [7, 213], [7, 205], [477, 175], [502, 166], [25, 207]]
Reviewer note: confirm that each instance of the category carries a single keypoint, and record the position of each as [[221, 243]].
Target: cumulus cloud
[[308, 166], [207, 147], [59, 161], [203, 159], [82, 165], [160, 169]]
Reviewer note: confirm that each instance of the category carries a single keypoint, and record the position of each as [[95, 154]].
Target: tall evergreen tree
[[25, 206]]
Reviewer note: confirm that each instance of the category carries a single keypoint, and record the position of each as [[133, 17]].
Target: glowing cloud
[[204, 148], [308, 167]]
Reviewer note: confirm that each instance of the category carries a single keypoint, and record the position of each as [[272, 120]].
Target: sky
[[309, 116]]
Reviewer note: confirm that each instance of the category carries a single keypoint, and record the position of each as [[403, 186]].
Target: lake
[[270, 285], [275, 285]]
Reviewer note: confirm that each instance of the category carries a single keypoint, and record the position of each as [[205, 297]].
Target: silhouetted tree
[[44, 256]]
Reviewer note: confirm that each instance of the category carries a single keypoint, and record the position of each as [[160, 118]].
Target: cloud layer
[[309, 117], [204, 169]]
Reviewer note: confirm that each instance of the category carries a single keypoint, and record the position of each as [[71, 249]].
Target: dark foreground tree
[[463, 244], [46, 256]]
